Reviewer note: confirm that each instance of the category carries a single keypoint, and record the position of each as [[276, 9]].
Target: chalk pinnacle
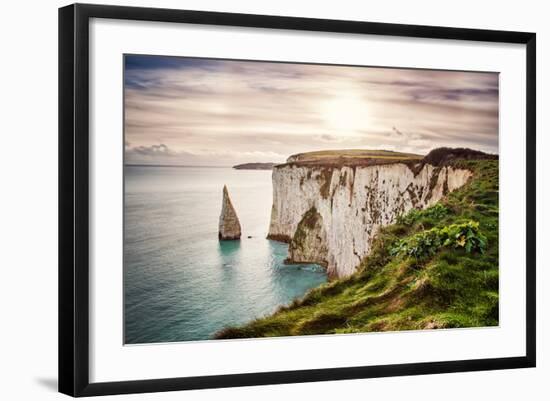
[[229, 227]]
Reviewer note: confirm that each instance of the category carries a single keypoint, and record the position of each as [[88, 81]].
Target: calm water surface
[[180, 282]]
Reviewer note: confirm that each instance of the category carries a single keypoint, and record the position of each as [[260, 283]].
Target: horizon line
[[171, 165]]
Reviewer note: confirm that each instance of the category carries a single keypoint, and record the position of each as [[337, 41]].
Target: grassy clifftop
[[351, 157], [352, 154], [435, 268]]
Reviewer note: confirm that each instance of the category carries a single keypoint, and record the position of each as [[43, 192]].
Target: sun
[[346, 113]]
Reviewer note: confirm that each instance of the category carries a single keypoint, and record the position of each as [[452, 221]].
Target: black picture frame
[[74, 197]]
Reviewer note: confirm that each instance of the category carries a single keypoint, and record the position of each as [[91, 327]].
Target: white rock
[[353, 202], [229, 226]]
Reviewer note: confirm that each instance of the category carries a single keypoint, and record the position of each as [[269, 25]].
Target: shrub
[[437, 211], [440, 156], [425, 243], [428, 243], [466, 235]]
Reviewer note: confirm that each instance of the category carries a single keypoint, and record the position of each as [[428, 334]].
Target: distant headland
[[255, 166]]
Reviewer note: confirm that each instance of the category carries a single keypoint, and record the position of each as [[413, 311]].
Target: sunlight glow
[[346, 113]]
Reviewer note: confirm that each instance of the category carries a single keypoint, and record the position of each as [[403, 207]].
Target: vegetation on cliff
[[433, 268], [309, 241], [370, 157], [351, 157]]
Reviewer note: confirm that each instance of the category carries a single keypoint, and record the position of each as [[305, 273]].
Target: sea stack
[[229, 228]]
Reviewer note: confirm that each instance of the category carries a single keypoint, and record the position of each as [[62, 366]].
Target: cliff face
[[329, 215], [229, 226]]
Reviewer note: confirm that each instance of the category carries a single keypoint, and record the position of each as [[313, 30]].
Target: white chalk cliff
[[229, 226], [330, 214]]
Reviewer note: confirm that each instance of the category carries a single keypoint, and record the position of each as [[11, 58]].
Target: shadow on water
[[229, 248], [278, 251]]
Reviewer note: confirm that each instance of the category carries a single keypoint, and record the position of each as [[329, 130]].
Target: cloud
[[328, 138], [154, 150], [164, 155], [160, 153], [189, 109]]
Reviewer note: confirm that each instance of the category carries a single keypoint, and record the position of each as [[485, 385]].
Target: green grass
[[448, 286], [322, 155]]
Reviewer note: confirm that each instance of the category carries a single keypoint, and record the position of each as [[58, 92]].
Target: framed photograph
[[250, 199]]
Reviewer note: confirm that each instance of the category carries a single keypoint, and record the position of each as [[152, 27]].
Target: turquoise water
[[180, 282]]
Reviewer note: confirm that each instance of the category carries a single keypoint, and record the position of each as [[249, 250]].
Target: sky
[[208, 112]]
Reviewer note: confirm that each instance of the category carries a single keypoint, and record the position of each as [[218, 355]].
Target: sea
[[180, 282]]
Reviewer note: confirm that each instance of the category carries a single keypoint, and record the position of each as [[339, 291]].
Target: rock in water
[[229, 228]]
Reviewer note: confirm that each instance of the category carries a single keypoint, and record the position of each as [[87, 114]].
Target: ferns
[[427, 243]]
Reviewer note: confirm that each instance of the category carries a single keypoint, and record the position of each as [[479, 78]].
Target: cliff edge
[[351, 195]]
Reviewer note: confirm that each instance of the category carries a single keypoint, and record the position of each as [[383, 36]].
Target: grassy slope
[[451, 288]]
